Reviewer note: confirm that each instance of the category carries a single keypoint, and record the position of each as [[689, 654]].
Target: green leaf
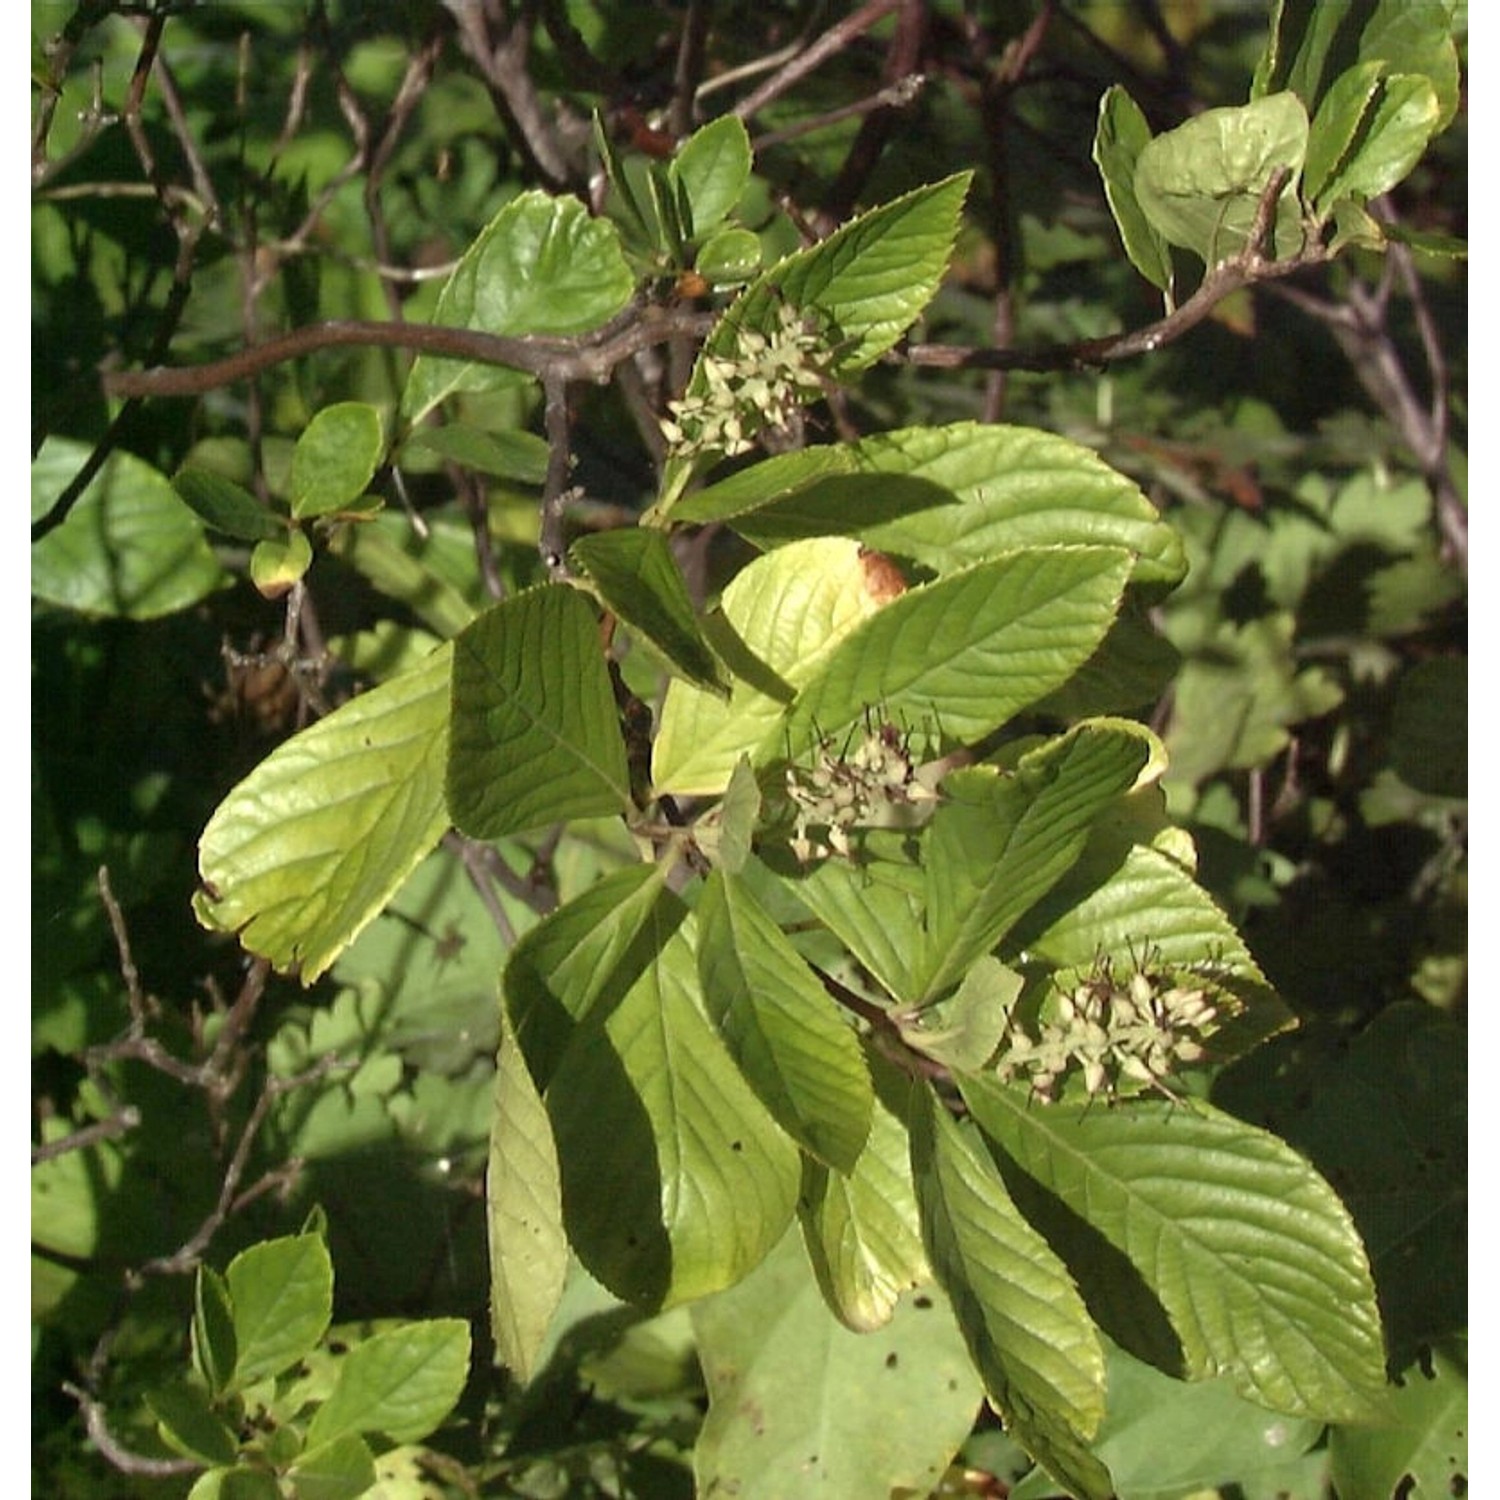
[[966, 653], [1025, 1325], [945, 497], [341, 1470], [1393, 135], [236, 1484], [1336, 127], [542, 265], [1119, 138], [860, 1228], [226, 506], [1423, 1449], [190, 1426], [799, 1405], [728, 256], [523, 1198], [712, 166], [1430, 727], [676, 1182], [535, 738], [637, 578], [1200, 185], [282, 1294], [277, 564], [401, 1383], [129, 547], [864, 284], [214, 1350], [1255, 1260], [521, 456], [335, 458], [1163, 1437], [786, 613], [1000, 840], [724, 833], [305, 851], [801, 1058], [964, 1031]]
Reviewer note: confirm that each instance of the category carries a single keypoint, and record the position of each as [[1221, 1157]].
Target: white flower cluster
[[760, 385], [858, 789], [1141, 1031]]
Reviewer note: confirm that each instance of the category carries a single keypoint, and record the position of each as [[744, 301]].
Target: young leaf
[[1025, 1325], [966, 653], [282, 1295], [313, 842], [226, 506], [786, 612], [1000, 840], [1393, 135], [189, 1424], [129, 547], [712, 166], [835, 1414], [801, 1058], [400, 1383], [1119, 138], [637, 579], [280, 562], [335, 458], [523, 1203], [535, 738], [728, 256], [542, 265], [1200, 185], [213, 1339], [675, 1180], [860, 1228], [1257, 1263]]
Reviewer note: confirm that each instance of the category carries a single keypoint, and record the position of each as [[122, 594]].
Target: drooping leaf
[[967, 653], [1200, 185], [535, 738], [1025, 1325], [676, 1182], [860, 1228], [308, 848], [801, 1058], [638, 579], [1120, 136], [129, 546], [523, 1200], [785, 613], [799, 1405], [712, 167], [1255, 1260], [335, 458], [1000, 841], [401, 1382], [542, 265], [282, 1295], [226, 506]]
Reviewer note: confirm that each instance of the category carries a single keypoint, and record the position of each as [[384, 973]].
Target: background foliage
[[211, 575]]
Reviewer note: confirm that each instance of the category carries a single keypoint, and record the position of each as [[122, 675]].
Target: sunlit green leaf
[[1257, 1263], [535, 737], [1025, 1325], [282, 1295], [1121, 134], [712, 166], [335, 458], [542, 265], [1200, 185], [801, 1058], [308, 848]]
